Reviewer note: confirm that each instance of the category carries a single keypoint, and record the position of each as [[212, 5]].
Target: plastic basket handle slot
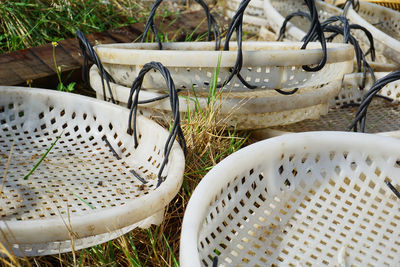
[[212, 24], [361, 114], [89, 54], [133, 102]]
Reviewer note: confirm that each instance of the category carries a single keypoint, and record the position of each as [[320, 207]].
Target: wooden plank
[[24, 66], [127, 34], [63, 58], [37, 63]]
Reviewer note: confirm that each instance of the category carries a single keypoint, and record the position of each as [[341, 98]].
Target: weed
[[61, 86], [43, 157], [28, 23]]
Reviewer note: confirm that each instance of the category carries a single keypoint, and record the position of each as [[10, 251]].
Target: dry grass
[[208, 143]]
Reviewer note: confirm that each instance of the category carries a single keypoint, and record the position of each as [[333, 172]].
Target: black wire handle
[[212, 24], [236, 24], [360, 56], [89, 54], [361, 115], [345, 31], [354, 3], [287, 19], [133, 102], [215, 261], [315, 28]]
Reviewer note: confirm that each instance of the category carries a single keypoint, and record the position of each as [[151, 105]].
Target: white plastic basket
[[268, 65], [243, 110], [303, 199], [83, 190], [277, 10], [383, 115], [253, 18], [384, 25]]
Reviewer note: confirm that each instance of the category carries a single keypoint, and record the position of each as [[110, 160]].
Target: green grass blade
[[42, 158]]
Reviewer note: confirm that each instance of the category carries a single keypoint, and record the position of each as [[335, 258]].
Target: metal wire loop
[[236, 24], [394, 190], [133, 102], [212, 24], [287, 19], [354, 3], [361, 115], [315, 28], [89, 54]]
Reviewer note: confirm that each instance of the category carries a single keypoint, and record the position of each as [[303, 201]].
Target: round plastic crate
[[243, 110], [93, 185], [296, 29], [253, 18], [384, 25], [383, 114], [318, 198], [267, 65], [393, 4]]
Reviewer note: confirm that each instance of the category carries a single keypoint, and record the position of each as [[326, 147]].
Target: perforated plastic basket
[[83, 190], [244, 110], [383, 115], [384, 25], [268, 65], [303, 199], [253, 18], [393, 4], [277, 10]]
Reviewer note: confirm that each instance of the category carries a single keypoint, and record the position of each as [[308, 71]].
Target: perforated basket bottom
[[306, 208], [78, 174], [82, 187], [382, 116]]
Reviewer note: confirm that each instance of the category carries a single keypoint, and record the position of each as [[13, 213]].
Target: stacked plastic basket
[[327, 198], [316, 198]]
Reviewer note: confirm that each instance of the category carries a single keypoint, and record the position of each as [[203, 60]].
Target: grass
[[28, 23], [159, 245], [33, 22]]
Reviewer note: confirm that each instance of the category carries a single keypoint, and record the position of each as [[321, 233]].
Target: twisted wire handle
[[89, 54], [361, 115], [315, 28], [133, 102], [212, 24], [236, 24]]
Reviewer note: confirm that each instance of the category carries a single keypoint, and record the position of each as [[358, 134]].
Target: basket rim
[[293, 30], [225, 171], [379, 35], [249, 19], [297, 33], [347, 78], [202, 54], [229, 101], [155, 200]]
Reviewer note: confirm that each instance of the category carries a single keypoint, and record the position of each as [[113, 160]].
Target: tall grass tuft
[[28, 23]]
